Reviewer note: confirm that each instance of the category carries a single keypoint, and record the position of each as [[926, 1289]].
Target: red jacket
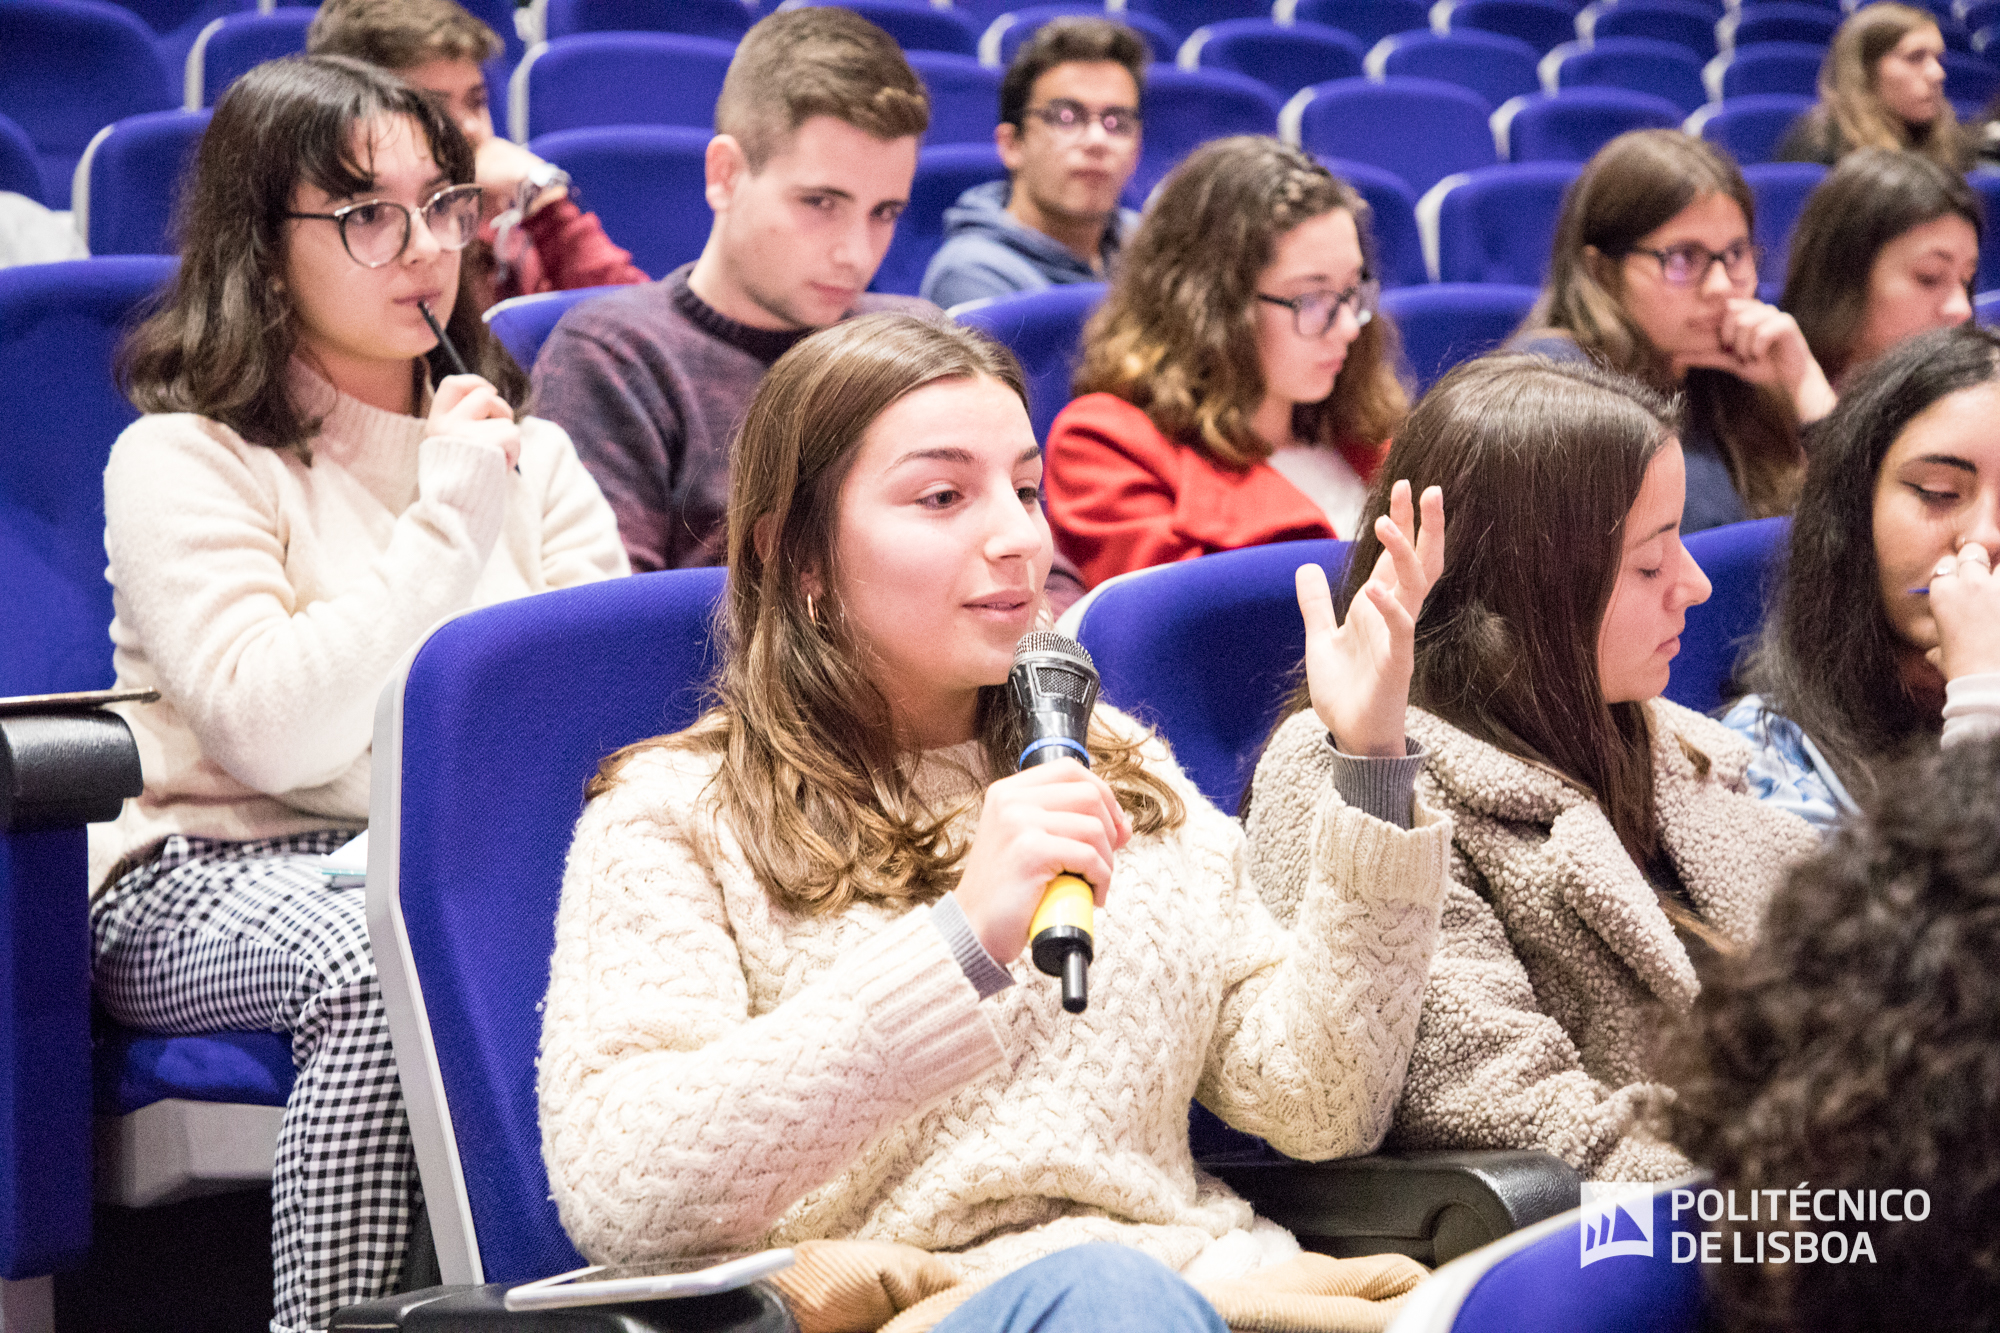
[[567, 248], [1122, 496]]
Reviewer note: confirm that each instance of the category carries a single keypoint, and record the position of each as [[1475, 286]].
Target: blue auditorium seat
[[129, 181], [1495, 224], [965, 97], [1767, 67], [1542, 24], [1045, 332], [20, 166], [1370, 20], [1969, 80], [1448, 322], [1987, 183], [464, 874], [943, 174], [1688, 23], [177, 24], [1004, 35], [916, 25], [616, 78], [1186, 108], [1986, 309], [1570, 126], [68, 68], [1749, 128], [1493, 66], [1283, 59], [1392, 204], [1184, 16], [522, 323], [1780, 190], [725, 20], [1778, 22], [229, 47], [1640, 64], [1421, 129], [646, 183], [1746, 563]]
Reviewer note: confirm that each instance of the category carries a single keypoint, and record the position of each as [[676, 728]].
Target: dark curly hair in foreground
[[1857, 1046]]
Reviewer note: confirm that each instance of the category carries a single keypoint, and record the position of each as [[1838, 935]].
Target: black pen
[[450, 352]]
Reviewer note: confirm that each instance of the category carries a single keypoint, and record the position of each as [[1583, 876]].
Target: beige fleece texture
[[1555, 966], [269, 599], [720, 1073]]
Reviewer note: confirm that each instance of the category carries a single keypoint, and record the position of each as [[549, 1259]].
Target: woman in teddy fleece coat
[[1602, 839]]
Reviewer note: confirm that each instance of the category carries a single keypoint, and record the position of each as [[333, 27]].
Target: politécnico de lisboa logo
[[1617, 1219]]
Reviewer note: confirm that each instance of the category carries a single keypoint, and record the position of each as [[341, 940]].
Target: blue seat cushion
[[135, 1069]]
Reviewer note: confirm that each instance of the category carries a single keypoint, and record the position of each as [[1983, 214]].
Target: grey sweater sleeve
[[1384, 788], [987, 977]]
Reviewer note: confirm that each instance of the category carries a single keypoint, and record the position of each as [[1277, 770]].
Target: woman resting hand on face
[[1603, 843], [1888, 634], [790, 999]]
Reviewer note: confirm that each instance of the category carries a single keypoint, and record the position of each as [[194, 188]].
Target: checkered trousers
[[214, 936]]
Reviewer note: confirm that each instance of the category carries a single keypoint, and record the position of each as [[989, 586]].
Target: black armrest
[[1432, 1206], [65, 769], [756, 1308]]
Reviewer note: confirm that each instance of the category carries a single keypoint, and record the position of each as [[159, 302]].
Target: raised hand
[[1359, 673], [1965, 602], [1762, 344]]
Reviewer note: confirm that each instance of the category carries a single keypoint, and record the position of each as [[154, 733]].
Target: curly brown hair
[[1176, 336], [1856, 1046]]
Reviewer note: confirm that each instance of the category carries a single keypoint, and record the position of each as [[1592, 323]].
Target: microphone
[[1054, 684]]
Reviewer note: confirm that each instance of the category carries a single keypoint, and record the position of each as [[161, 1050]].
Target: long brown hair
[[1177, 336], [1540, 463], [1847, 87], [1635, 185], [219, 344], [811, 775]]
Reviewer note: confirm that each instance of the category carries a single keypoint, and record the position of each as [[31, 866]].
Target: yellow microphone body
[[1059, 938]]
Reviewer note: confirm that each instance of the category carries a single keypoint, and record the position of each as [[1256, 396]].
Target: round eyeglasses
[[1069, 118], [1689, 265], [1313, 314], [376, 232]]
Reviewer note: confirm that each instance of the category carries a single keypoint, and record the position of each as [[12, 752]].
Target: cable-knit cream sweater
[[1556, 967], [268, 598], [718, 1072]]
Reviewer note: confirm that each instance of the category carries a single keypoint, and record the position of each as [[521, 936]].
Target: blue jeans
[[1089, 1289]]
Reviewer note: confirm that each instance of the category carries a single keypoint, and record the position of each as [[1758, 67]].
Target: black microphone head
[[1054, 684]]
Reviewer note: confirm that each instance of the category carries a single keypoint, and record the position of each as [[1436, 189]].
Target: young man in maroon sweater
[[536, 238]]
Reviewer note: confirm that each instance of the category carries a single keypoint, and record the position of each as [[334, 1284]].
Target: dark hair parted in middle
[[1068, 41], [1635, 185], [1177, 336], [810, 753], [1540, 462], [1869, 199], [219, 344], [1828, 658]]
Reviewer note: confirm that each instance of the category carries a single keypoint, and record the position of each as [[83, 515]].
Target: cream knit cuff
[[922, 1011], [1377, 861], [1971, 708], [469, 478]]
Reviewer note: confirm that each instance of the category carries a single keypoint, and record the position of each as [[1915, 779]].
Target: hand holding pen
[[468, 406]]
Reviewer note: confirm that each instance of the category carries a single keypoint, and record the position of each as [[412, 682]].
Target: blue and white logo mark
[[1617, 1219]]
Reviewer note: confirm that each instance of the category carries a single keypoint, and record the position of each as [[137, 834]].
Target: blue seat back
[[67, 69], [1208, 650], [1772, 67], [1498, 223], [538, 690], [1642, 64], [1688, 23], [20, 165], [1370, 20], [1750, 128], [522, 323], [1987, 183], [1969, 80], [644, 182], [1421, 129], [1185, 108], [1283, 59], [236, 44], [1045, 331], [1392, 205], [1004, 35], [617, 78], [1570, 126], [1542, 24], [1493, 66], [1784, 23], [133, 182], [1185, 16], [916, 25], [726, 20], [1445, 323], [1746, 563], [1780, 190], [965, 97], [943, 174]]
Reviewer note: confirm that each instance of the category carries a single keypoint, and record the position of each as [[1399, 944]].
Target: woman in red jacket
[[1237, 385]]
